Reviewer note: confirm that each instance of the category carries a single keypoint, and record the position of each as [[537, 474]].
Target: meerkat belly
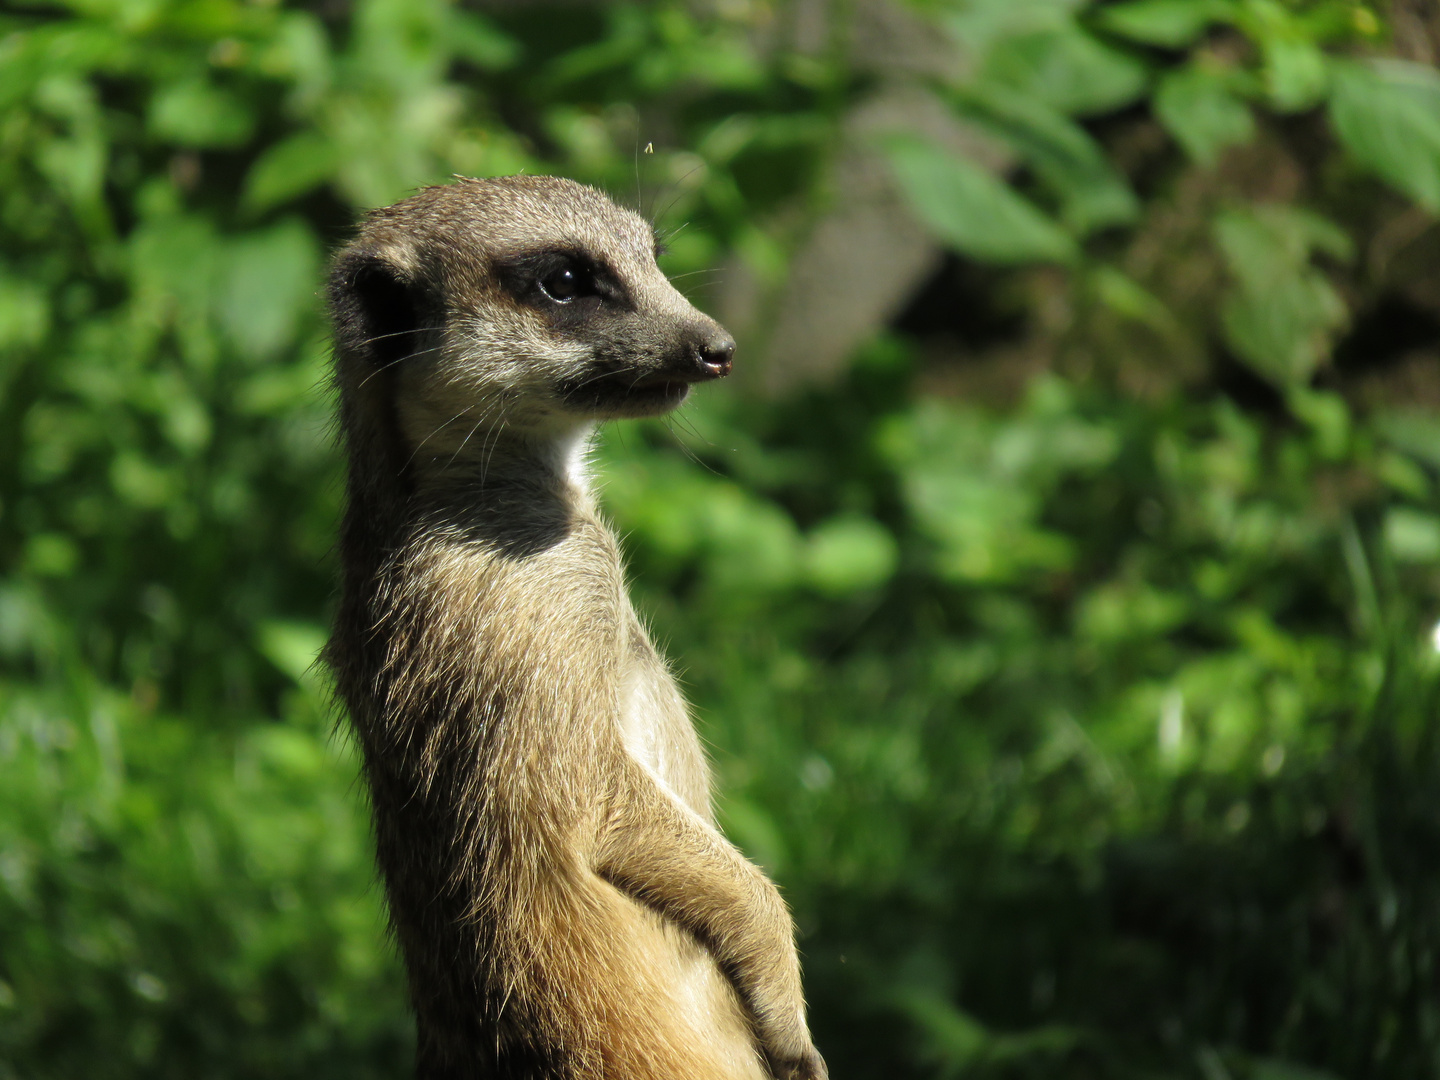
[[658, 733], [702, 998]]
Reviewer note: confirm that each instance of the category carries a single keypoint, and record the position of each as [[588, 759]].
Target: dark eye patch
[[555, 279]]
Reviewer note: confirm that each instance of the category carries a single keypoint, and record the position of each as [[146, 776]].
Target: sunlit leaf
[[992, 663], [1412, 535], [172, 260], [1327, 416], [750, 544], [981, 24], [1296, 73], [1413, 429], [1127, 609], [50, 555], [293, 647], [846, 554]]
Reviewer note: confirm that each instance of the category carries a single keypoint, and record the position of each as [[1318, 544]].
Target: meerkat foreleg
[[661, 852]]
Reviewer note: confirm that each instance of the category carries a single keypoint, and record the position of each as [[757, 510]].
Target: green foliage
[[166, 890], [1388, 114], [972, 210], [1200, 109], [1282, 314], [1091, 732]]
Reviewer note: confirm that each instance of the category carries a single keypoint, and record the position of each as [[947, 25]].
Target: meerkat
[[564, 904]]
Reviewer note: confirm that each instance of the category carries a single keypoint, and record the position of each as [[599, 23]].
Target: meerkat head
[[528, 303]]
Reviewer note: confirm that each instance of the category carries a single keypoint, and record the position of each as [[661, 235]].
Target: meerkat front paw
[[809, 1066]]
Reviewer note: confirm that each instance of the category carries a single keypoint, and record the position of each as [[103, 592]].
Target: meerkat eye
[[567, 283]]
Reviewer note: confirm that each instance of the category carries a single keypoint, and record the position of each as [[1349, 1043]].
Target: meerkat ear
[[374, 300]]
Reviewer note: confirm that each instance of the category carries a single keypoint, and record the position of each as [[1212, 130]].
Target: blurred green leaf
[[292, 647], [1296, 74], [198, 113], [846, 554], [1327, 416], [1413, 536], [1125, 296], [1093, 193], [951, 1035], [477, 39], [292, 167], [1120, 610], [24, 313], [1414, 430], [750, 544], [1284, 313], [973, 211], [983, 24], [962, 484], [1068, 70], [51, 555], [1273, 1069], [1387, 114], [173, 261], [1168, 23], [1198, 108], [266, 283], [1075, 685]]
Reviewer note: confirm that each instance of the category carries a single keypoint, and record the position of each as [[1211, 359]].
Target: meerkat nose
[[717, 353]]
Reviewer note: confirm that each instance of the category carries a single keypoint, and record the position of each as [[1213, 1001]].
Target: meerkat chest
[[656, 726]]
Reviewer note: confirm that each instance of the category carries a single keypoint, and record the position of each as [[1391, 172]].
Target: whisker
[[432, 434], [680, 189], [639, 191], [401, 333], [681, 418], [595, 378], [684, 449], [490, 453], [391, 363], [473, 428]]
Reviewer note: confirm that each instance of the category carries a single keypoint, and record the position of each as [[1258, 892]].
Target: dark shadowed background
[[1057, 581]]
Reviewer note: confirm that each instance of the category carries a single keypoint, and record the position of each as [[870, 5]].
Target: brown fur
[[564, 904]]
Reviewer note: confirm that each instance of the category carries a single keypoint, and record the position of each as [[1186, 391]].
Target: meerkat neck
[[509, 484]]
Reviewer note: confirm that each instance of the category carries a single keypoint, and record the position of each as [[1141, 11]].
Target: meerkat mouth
[[630, 393]]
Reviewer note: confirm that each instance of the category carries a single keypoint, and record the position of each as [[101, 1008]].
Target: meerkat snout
[[717, 354]]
